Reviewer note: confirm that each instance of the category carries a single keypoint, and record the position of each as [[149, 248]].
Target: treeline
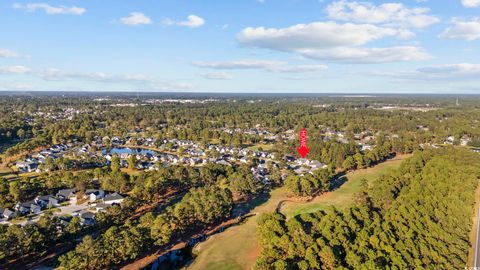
[[418, 217], [203, 123], [199, 208], [310, 184]]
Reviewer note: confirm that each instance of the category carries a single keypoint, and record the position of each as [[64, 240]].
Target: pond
[[129, 151]]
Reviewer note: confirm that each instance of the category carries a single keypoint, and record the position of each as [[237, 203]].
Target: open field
[[264, 147], [237, 247]]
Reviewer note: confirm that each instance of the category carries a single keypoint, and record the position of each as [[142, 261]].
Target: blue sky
[[414, 46]]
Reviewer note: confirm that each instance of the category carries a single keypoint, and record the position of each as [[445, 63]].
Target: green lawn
[[237, 247], [265, 147]]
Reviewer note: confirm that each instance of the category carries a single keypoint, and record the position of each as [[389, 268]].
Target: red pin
[[303, 149]]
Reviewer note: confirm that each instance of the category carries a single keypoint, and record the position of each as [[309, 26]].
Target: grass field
[[237, 247], [265, 147]]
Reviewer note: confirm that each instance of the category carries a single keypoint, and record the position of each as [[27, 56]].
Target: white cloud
[[14, 70], [455, 72], [32, 7], [136, 18], [5, 53], [463, 29], [316, 35], [368, 55], [394, 14], [217, 76], [139, 81], [193, 21], [471, 3], [267, 65], [53, 74], [333, 41]]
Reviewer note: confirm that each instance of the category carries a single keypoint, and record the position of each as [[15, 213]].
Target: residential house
[[302, 161], [66, 194], [87, 218], [315, 164], [94, 194], [113, 198], [27, 166], [289, 158], [46, 201], [449, 140], [101, 207], [6, 213], [302, 171], [28, 207]]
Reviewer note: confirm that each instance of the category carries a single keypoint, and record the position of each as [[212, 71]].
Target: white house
[[94, 194]]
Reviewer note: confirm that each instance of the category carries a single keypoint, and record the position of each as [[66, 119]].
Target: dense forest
[[418, 217]]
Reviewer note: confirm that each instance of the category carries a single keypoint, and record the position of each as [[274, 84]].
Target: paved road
[[477, 244]]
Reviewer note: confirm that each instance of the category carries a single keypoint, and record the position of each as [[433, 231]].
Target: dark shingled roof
[[113, 197]]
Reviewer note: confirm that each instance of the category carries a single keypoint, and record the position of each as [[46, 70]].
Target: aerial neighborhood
[[165, 176]]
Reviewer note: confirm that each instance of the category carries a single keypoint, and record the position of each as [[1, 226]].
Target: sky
[[277, 46]]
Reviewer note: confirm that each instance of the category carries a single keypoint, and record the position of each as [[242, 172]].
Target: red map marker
[[303, 149]]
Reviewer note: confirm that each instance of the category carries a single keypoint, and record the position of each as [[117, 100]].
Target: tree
[[132, 162], [359, 160], [21, 134], [161, 230], [74, 226], [115, 163], [15, 191], [349, 163]]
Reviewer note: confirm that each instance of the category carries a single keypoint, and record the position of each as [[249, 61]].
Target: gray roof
[[113, 197], [27, 204], [66, 192], [45, 197], [94, 191], [316, 163], [6, 212], [87, 215]]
